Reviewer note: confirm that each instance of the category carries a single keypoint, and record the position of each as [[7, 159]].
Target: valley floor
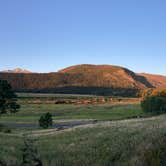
[[118, 134], [124, 142]]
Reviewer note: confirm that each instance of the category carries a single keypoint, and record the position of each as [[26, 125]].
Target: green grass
[[98, 146], [121, 143], [116, 140], [31, 112]]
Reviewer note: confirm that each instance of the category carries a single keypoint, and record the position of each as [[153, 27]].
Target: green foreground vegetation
[[30, 113], [126, 142], [124, 135]]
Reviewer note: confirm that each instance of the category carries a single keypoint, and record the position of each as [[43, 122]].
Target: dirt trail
[[71, 126]]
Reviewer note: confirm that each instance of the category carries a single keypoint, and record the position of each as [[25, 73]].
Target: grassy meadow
[[30, 113], [124, 135]]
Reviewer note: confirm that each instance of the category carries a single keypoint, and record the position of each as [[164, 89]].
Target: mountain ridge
[[17, 70], [109, 73], [21, 70], [85, 78]]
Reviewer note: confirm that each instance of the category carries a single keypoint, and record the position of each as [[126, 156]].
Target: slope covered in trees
[[83, 79]]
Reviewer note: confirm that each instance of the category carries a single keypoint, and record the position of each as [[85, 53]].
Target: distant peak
[[17, 70]]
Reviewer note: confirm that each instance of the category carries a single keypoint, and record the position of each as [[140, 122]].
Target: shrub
[[155, 103], [5, 129], [2, 163], [30, 156], [45, 121]]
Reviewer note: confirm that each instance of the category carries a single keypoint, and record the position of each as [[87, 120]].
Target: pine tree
[[45, 120], [8, 99]]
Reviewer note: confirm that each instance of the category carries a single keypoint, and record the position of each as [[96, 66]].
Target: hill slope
[[85, 79], [107, 76], [157, 81]]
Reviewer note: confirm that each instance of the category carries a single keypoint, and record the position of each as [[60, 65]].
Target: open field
[[125, 142], [30, 113], [122, 134], [34, 105], [51, 95], [44, 98]]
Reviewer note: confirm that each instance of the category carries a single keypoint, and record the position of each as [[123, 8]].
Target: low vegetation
[[132, 142], [30, 156], [155, 103], [122, 133]]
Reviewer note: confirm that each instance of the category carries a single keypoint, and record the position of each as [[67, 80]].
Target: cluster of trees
[[69, 84], [8, 104], [155, 102]]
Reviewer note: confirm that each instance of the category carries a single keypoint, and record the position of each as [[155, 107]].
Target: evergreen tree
[[45, 120], [7, 98]]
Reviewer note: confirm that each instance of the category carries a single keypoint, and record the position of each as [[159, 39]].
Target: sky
[[48, 35]]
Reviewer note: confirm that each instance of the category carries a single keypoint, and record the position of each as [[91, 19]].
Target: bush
[[155, 103], [5, 129], [45, 121], [30, 156]]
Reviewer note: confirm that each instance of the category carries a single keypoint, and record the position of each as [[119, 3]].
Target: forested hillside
[[86, 79]]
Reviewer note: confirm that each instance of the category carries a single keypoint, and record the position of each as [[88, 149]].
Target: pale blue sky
[[47, 35]]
